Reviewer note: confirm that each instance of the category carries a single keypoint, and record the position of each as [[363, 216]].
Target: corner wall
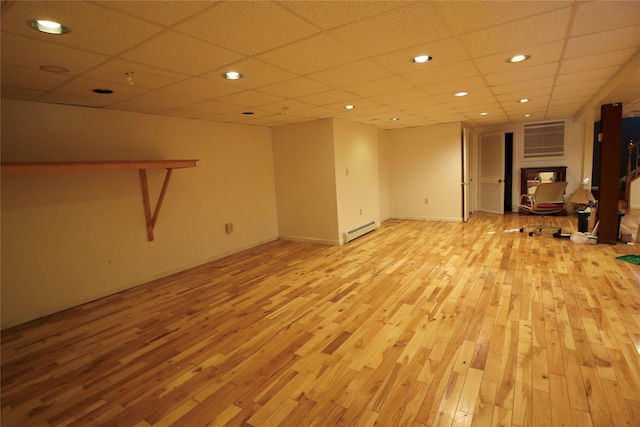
[[71, 237], [357, 181], [304, 163], [426, 172]]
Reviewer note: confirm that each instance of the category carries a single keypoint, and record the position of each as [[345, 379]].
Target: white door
[[466, 180], [491, 173]]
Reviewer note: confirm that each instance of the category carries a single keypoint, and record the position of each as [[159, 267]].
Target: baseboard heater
[[359, 231]]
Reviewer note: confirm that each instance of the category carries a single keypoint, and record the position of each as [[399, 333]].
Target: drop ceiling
[[306, 60]]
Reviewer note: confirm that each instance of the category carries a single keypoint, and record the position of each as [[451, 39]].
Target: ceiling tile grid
[[304, 60]]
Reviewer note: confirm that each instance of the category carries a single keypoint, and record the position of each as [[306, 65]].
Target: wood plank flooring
[[416, 324]]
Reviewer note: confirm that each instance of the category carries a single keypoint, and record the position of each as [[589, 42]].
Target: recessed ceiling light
[[461, 94], [483, 114], [232, 75], [422, 59], [518, 58], [103, 91], [527, 115], [395, 119], [49, 27], [349, 107], [523, 100]]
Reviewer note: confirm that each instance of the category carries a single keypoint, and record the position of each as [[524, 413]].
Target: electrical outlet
[[228, 227], [360, 211], [426, 201]]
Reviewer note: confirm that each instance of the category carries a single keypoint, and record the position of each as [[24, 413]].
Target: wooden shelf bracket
[[141, 165], [151, 220]]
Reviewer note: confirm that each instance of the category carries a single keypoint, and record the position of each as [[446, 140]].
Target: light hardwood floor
[[416, 324]]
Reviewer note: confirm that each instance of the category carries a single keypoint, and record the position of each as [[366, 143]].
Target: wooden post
[[610, 153], [146, 204]]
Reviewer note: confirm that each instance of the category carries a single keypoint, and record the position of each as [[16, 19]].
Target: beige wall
[[384, 175], [70, 237], [425, 163], [304, 162], [576, 142], [357, 181]]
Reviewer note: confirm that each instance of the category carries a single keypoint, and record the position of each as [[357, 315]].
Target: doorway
[[495, 167], [508, 171]]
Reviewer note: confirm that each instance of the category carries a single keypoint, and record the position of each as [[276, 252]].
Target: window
[[544, 139]]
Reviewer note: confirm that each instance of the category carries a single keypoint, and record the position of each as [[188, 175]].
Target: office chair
[[547, 199]]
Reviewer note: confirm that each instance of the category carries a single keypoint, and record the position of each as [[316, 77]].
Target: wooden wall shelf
[[140, 165]]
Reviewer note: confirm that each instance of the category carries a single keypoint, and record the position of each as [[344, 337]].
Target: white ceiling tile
[[412, 24], [473, 100], [295, 88], [523, 86], [541, 54], [602, 42], [521, 74], [379, 87], [592, 16], [73, 99], [31, 53], [400, 96], [286, 106], [19, 93], [248, 27], [326, 98], [213, 106], [443, 52], [327, 53], [92, 27], [256, 73], [116, 69], [531, 95], [185, 113], [353, 73], [249, 98], [317, 112], [467, 16], [79, 91], [372, 111], [361, 107], [201, 88], [421, 104], [576, 88], [162, 12], [26, 78], [585, 76], [524, 33], [438, 74], [333, 14], [603, 60], [165, 99], [567, 99], [474, 85], [181, 53], [303, 57], [135, 108], [252, 113]]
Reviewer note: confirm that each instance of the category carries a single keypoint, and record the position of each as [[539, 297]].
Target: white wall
[[357, 181], [572, 159], [384, 175], [70, 237], [426, 163], [634, 196], [304, 162]]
